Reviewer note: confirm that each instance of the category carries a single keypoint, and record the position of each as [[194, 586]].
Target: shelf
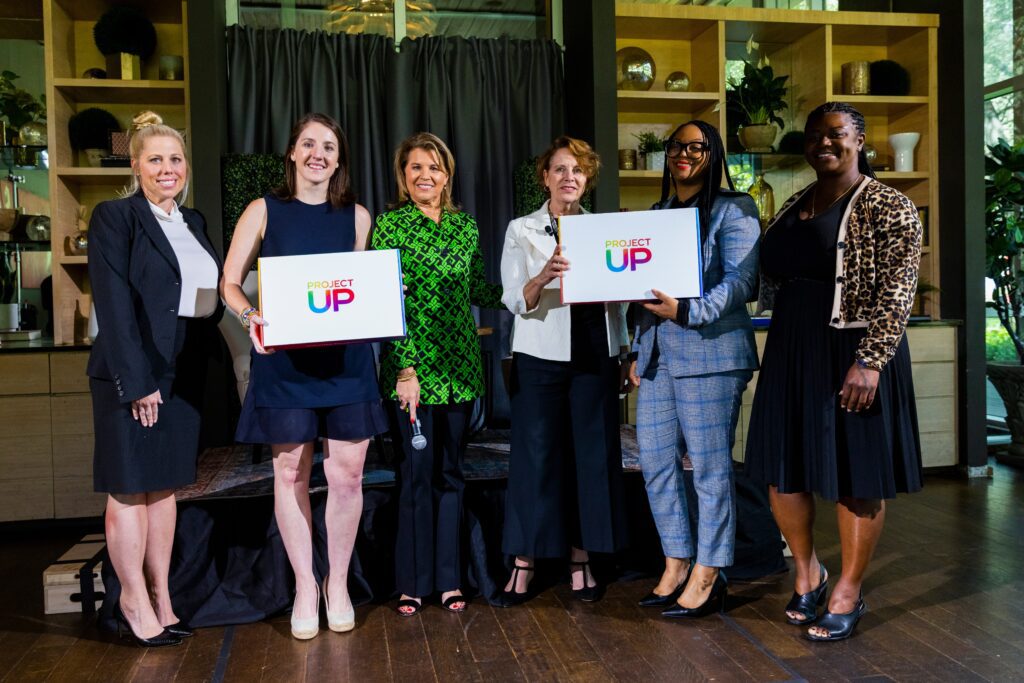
[[640, 177], [92, 10], [911, 176], [114, 91], [68, 260], [662, 101], [89, 175], [879, 105], [766, 162]]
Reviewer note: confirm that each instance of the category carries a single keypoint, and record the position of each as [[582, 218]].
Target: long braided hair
[[716, 169], [863, 165]]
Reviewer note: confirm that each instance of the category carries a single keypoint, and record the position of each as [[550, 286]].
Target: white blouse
[[199, 296]]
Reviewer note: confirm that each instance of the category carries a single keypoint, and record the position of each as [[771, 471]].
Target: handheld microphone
[[419, 442]]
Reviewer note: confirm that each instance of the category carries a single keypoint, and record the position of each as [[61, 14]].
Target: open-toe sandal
[[449, 602], [416, 606], [839, 626], [809, 603]]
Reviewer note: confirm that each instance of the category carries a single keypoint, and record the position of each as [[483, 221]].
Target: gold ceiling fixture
[[378, 16]]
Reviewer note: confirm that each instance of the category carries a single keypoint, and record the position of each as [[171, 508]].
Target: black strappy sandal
[[416, 606], [512, 598], [587, 593], [453, 599], [808, 603], [839, 626]]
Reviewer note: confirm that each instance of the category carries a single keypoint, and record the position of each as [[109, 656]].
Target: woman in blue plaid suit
[[694, 359]]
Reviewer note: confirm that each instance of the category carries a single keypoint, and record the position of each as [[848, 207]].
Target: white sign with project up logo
[[322, 299], [623, 256]]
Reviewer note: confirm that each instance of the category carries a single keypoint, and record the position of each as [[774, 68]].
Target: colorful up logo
[[635, 252], [333, 293]]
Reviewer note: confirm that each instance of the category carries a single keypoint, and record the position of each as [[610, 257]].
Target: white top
[[545, 331], [199, 296]]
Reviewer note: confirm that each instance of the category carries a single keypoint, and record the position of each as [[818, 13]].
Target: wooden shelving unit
[[810, 47], [69, 51]]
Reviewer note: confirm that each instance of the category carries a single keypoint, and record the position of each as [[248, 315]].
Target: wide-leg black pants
[[430, 488], [565, 466]]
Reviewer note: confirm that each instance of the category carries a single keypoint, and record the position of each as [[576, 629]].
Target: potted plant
[[759, 95], [1004, 247], [23, 115], [653, 149], [89, 130]]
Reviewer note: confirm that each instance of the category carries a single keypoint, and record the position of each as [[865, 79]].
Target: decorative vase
[[655, 161], [172, 68], [123, 65], [903, 145], [634, 68], [33, 133], [677, 81], [92, 327], [758, 137], [627, 159], [1008, 379], [764, 198], [9, 319], [856, 78], [95, 156]]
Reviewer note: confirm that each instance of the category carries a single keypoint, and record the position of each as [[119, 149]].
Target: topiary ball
[[125, 29], [91, 129], [889, 78]]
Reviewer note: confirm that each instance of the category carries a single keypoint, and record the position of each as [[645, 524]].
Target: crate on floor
[[62, 580]]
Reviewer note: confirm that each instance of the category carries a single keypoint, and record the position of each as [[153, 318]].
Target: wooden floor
[[945, 593]]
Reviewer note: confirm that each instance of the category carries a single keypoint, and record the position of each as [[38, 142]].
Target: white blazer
[[545, 330]]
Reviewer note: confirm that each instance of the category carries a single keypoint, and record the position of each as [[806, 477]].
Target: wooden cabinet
[[808, 46], [70, 50], [47, 443]]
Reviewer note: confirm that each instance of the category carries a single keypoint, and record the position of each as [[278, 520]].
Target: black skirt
[[130, 458], [799, 438]]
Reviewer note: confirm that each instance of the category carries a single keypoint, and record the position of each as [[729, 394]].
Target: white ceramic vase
[[903, 145]]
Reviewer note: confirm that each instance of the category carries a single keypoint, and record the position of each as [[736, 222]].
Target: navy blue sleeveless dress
[[296, 395]]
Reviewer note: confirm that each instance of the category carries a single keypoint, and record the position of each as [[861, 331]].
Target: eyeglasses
[[694, 150]]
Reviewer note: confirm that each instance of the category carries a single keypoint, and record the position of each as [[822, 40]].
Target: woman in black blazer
[[154, 279]]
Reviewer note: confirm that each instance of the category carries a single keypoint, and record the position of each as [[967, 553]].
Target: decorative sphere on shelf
[[870, 153], [78, 244], [634, 68], [677, 81], [33, 133]]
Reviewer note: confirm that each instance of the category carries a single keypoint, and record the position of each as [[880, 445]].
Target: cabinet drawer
[[72, 455], [67, 372], [25, 457], [24, 373], [25, 416], [71, 414], [26, 499], [74, 497]]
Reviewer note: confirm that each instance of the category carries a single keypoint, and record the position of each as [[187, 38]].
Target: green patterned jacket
[[444, 271]]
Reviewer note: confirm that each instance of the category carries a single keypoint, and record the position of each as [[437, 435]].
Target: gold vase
[[764, 198]]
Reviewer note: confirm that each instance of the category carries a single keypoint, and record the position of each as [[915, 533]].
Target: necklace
[[814, 197]]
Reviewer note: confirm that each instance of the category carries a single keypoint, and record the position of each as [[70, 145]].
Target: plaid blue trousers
[[694, 415]]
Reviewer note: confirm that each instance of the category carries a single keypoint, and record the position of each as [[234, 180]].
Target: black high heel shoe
[[839, 626], [715, 602], [510, 598], [587, 593], [808, 603], [180, 629], [652, 599], [164, 639]]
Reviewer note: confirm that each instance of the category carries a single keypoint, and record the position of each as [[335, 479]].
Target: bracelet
[[406, 373], [247, 315], [864, 364], [407, 377]]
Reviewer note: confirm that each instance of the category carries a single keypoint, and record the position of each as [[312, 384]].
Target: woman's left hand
[[626, 376], [859, 388], [667, 307]]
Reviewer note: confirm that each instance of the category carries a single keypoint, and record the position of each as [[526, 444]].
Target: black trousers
[[565, 466], [430, 488]]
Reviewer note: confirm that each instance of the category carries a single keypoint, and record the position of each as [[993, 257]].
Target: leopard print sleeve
[[896, 231]]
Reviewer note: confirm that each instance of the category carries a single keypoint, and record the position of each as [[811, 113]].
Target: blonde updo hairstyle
[[146, 125]]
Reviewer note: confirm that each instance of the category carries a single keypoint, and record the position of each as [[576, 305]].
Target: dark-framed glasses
[[693, 150]]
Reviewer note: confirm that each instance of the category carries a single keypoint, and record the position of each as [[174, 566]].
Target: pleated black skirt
[[799, 438], [130, 458]]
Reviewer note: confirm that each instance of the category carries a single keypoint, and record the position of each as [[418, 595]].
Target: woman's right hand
[[255, 333], [556, 266], [408, 391], [146, 409]]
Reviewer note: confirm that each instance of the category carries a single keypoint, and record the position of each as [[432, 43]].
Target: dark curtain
[[495, 102]]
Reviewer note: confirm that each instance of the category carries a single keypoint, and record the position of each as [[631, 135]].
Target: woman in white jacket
[[564, 488]]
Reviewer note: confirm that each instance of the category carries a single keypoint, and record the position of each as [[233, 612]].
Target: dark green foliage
[[123, 28], [1004, 235], [889, 78], [760, 94], [16, 105], [91, 129], [245, 177], [792, 143], [529, 195]]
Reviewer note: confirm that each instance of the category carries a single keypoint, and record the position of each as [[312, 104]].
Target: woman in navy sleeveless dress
[[295, 396]]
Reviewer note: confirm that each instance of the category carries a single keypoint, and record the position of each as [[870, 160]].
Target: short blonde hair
[[586, 157], [434, 145], [146, 125]]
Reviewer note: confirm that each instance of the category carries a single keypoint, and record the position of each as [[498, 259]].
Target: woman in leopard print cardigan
[[834, 409]]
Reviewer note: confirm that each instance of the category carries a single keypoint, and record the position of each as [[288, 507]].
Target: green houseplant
[[1004, 247], [759, 96], [653, 148]]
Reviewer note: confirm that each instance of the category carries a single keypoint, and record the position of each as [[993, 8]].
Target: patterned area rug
[[229, 471]]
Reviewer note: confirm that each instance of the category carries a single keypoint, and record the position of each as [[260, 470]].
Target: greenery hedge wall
[[245, 177]]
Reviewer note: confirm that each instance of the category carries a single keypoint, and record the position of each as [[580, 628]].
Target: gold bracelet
[[407, 378], [407, 372]]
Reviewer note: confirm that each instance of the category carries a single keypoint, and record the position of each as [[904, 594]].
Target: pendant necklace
[[814, 197]]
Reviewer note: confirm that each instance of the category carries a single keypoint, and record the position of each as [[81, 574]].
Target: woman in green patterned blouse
[[434, 373]]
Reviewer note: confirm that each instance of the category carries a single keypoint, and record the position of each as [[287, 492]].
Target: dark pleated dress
[[799, 437]]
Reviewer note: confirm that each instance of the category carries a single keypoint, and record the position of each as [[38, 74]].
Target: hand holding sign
[[667, 306], [556, 266]]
